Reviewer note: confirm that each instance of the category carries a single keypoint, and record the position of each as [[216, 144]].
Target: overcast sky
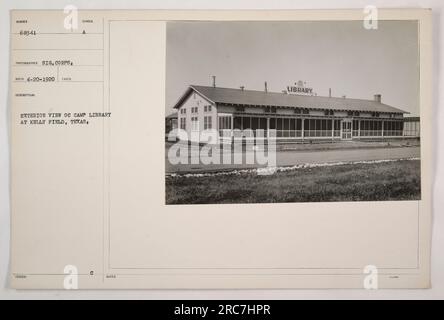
[[343, 56]]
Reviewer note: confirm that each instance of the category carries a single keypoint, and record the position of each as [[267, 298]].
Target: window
[[194, 123], [205, 108], [183, 123], [279, 125], [237, 123], [272, 123], [356, 125], [286, 124], [224, 124], [209, 108], [263, 123], [312, 124], [329, 125], [183, 111], [207, 122], [254, 123], [337, 125], [324, 125], [305, 111], [246, 123], [298, 124]]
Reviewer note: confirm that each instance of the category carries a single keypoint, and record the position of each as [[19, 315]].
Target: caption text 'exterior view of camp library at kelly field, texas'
[[295, 114]]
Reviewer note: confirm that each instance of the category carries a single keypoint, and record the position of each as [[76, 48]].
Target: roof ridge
[[281, 93], [266, 98]]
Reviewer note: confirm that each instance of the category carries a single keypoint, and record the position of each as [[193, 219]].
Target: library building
[[294, 114]]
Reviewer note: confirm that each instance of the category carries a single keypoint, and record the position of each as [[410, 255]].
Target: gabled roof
[[230, 96]]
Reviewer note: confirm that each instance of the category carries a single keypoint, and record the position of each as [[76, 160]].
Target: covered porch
[[308, 127]]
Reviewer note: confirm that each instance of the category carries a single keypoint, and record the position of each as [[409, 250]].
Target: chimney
[[266, 88], [377, 98], [329, 92], [214, 81], [242, 88]]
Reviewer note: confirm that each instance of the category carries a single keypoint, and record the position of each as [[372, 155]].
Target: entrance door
[[346, 130]]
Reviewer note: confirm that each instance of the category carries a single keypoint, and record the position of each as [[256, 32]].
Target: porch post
[[302, 127], [382, 129]]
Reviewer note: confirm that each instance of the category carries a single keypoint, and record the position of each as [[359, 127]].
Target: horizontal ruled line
[[56, 81], [67, 49], [70, 66], [68, 33]]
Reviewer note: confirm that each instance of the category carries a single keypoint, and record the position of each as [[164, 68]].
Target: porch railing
[[228, 133]]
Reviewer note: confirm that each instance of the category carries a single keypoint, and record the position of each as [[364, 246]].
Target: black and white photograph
[[237, 153], [278, 112]]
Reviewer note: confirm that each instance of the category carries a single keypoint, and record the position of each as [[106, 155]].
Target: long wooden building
[[290, 116]]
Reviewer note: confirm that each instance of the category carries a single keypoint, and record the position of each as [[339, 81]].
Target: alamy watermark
[[71, 278], [71, 21], [370, 21], [371, 278], [224, 147]]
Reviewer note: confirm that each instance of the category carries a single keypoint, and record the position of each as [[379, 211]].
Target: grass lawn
[[397, 180]]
